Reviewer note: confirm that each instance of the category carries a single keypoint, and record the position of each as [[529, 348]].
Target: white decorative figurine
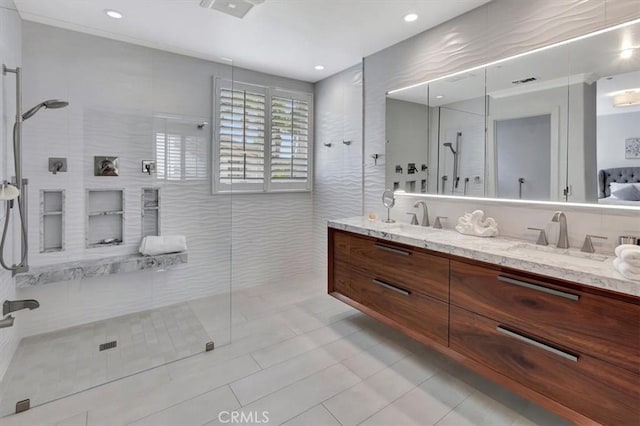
[[475, 224]]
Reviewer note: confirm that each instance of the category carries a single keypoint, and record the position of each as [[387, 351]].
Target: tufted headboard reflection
[[620, 175]]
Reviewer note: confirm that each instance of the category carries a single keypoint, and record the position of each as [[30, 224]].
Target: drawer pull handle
[[537, 344], [391, 287], [392, 250], [538, 288]]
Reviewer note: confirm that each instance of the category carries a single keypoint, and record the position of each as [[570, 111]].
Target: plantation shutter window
[[290, 140], [263, 139], [241, 137]]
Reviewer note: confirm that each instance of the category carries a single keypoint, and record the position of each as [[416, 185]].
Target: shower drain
[[108, 345]]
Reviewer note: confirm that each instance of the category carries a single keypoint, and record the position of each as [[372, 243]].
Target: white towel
[[630, 248], [630, 256], [151, 246], [626, 270]]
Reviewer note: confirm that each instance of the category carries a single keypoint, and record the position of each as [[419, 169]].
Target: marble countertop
[[595, 270], [90, 268]]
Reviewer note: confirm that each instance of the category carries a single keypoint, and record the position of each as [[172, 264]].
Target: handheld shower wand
[[456, 178], [20, 183]]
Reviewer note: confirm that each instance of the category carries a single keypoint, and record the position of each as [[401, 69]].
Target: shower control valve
[[57, 164], [148, 167]]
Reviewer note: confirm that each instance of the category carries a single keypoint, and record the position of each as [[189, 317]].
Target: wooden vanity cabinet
[[383, 278], [570, 348], [603, 327]]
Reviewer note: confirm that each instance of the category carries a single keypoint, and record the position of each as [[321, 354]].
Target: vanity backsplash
[[515, 217]]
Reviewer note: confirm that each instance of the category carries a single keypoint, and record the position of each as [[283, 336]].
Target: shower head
[[450, 146], [51, 103]]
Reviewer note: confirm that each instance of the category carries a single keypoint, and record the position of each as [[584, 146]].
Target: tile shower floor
[[52, 365], [298, 357]]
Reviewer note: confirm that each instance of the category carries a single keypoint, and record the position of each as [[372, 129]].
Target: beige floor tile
[[366, 398], [376, 358], [316, 416], [77, 420], [424, 405], [303, 343], [177, 391], [195, 411], [297, 398]]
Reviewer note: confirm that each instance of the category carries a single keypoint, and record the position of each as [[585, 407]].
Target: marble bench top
[[39, 275], [595, 270]]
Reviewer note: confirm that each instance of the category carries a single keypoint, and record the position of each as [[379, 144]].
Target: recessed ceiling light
[[319, 67], [231, 5], [626, 54], [439, 97], [410, 17], [113, 14]]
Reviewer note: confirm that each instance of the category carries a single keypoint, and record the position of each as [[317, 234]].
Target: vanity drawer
[[340, 245], [417, 312], [603, 327], [595, 388], [407, 267]]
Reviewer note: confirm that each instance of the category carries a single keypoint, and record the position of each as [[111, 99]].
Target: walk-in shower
[[20, 184]]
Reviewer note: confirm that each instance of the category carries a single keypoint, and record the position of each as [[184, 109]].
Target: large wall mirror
[[558, 124]]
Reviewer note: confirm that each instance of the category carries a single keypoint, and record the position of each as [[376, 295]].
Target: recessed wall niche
[[150, 211], [52, 218], [105, 217]]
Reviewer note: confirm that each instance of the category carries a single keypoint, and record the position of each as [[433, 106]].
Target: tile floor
[[53, 365], [298, 357]]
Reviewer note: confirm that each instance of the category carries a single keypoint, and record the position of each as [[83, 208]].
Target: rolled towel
[[630, 256], [626, 270], [151, 245], [630, 248]]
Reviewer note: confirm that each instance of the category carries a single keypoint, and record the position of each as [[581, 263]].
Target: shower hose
[[20, 214]]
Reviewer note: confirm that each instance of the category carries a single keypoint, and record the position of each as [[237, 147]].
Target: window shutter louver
[[289, 139], [174, 157], [160, 155], [242, 136]]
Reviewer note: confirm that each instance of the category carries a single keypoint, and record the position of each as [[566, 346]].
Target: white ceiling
[[282, 37]]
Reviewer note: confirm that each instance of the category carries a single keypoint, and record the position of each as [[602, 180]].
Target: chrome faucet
[[425, 217], [563, 239], [7, 322], [15, 305]]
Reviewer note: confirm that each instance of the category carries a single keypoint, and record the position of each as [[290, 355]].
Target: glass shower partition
[[137, 137]]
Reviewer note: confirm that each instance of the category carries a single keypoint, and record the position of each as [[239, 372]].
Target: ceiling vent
[[525, 80], [237, 8]]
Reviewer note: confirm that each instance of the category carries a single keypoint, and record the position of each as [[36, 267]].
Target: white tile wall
[[338, 171], [114, 90]]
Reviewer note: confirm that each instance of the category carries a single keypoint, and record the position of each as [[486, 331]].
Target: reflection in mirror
[[457, 112], [558, 124], [605, 168], [407, 149], [527, 126]]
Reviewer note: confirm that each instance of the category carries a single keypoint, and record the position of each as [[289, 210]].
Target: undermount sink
[[532, 249]]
